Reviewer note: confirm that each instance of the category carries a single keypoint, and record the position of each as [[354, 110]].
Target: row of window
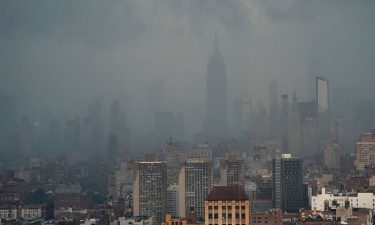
[[216, 216], [226, 207]]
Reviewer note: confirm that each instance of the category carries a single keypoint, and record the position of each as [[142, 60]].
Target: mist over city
[[160, 111]]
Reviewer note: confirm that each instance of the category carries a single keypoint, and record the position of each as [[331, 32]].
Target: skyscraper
[[216, 111], [295, 139], [284, 123], [322, 99], [195, 182], [150, 190], [274, 110], [112, 150], [287, 183]]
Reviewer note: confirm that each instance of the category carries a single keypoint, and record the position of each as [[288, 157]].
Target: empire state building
[[216, 111]]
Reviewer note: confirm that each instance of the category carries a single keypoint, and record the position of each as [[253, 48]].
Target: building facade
[[216, 102], [333, 200], [365, 151], [195, 182], [227, 205], [149, 190], [232, 171], [287, 183]]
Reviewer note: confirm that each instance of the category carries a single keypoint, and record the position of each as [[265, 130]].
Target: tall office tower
[[115, 112], [261, 134], [322, 99], [284, 123], [172, 161], [332, 153], [336, 131], [25, 137], [172, 200], [117, 179], [287, 183], [112, 150], [227, 205], [274, 110], [201, 151], [72, 135], [216, 111], [232, 171], [150, 190], [195, 182], [365, 150], [295, 139]]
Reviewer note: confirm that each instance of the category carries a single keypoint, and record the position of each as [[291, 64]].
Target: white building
[[356, 200], [8, 213], [31, 212]]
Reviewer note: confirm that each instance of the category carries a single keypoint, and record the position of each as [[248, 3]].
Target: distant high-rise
[[287, 183], [295, 139], [216, 111], [322, 100], [172, 161], [274, 110], [150, 190], [195, 182], [284, 123], [112, 150], [232, 171]]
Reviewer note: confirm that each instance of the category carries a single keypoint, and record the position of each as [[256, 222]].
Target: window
[[210, 216], [243, 216], [216, 216]]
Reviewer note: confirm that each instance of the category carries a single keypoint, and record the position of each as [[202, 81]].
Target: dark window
[[216, 216], [242, 216], [209, 216], [237, 216]]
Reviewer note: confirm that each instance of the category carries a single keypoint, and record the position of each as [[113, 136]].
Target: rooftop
[[227, 193]]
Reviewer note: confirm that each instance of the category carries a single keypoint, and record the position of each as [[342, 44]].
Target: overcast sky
[[61, 55]]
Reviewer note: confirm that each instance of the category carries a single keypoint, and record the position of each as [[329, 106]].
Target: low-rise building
[[327, 200], [270, 217]]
